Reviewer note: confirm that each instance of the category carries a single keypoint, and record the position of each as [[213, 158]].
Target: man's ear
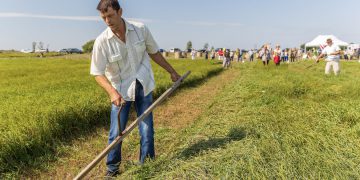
[[120, 11]]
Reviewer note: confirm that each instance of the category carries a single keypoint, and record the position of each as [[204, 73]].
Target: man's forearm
[[321, 56], [160, 60], [104, 83], [336, 53]]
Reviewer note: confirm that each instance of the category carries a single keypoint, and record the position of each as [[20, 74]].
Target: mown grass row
[[49, 102], [271, 123]]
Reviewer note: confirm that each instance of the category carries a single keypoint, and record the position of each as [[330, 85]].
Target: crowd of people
[[266, 53]]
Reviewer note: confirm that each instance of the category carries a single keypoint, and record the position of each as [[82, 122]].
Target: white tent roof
[[321, 40]]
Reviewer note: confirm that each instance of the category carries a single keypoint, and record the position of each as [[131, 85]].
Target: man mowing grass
[[332, 52], [121, 66]]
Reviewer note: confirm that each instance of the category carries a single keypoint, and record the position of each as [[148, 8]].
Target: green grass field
[[48, 102], [270, 123], [14, 54], [284, 122]]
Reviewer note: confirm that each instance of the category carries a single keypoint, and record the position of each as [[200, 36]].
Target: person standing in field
[[265, 55], [226, 61], [237, 54], [286, 56], [242, 56], [206, 55], [193, 54], [276, 55], [251, 55], [231, 55], [315, 54], [299, 54], [121, 66], [332, 53], [292, 55], [282, 55], [212, 54], [220, 54]]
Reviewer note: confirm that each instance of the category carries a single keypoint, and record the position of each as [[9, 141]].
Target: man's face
[[329, 42], [112, 18]]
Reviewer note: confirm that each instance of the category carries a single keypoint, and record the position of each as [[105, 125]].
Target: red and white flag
[[322, 46]]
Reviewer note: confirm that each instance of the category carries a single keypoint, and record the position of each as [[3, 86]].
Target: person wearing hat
[[332, 53]]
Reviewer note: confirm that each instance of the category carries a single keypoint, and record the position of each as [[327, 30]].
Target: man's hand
[[114, 95], [175, 76], [160, 60], [116, 99], [319, 57]]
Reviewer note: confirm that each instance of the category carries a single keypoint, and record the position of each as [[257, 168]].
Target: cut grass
[[268, 123], [46, 103], [271, 123], [177, 113]]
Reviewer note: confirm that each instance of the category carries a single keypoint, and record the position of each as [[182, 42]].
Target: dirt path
[[176, 113]]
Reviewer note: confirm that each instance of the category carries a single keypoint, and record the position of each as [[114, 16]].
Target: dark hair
[[105, 4]]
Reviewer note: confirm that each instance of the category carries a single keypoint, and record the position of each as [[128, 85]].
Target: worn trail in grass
[[47, 103], [177, 113]]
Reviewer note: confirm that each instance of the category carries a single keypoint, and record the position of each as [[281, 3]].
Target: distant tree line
[[88, 47]]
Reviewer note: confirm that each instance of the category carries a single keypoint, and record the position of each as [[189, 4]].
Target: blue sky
[[226, 23]]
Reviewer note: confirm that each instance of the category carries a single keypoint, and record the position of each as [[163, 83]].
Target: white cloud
[[204, 23], [72, 18], [140, 20]]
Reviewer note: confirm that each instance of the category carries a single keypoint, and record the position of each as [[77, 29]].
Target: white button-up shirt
[[328, 50], [123, 63]]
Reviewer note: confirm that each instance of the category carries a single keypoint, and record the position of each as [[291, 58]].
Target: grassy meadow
[[269, 123], [48, 102], [247, 122], [15, 54]]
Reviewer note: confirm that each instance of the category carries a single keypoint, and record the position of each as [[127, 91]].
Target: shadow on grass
[[20, 159], [41, 149], [149, 171], [235, 134]]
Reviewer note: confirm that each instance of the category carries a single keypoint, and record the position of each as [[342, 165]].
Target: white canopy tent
[[321, 40]]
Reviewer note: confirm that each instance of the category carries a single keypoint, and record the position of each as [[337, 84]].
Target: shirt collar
[[128, 26]]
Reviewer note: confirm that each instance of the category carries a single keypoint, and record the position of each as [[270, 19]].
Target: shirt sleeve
[[337, 48], [98, 60], [151, 45], [324, 51]]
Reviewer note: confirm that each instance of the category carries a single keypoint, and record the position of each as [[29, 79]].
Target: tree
[[33, 47], [302, 46], [188, 45], [206, 46], [88, 47], [40, 45]]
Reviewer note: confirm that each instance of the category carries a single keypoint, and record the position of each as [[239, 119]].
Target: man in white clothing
[[332, 52], [121, 66]]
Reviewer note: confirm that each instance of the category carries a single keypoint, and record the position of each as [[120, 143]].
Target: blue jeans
[[146, 129]]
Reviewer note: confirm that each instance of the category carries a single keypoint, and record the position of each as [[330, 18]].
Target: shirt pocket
[[116, 64], [140, 48]]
